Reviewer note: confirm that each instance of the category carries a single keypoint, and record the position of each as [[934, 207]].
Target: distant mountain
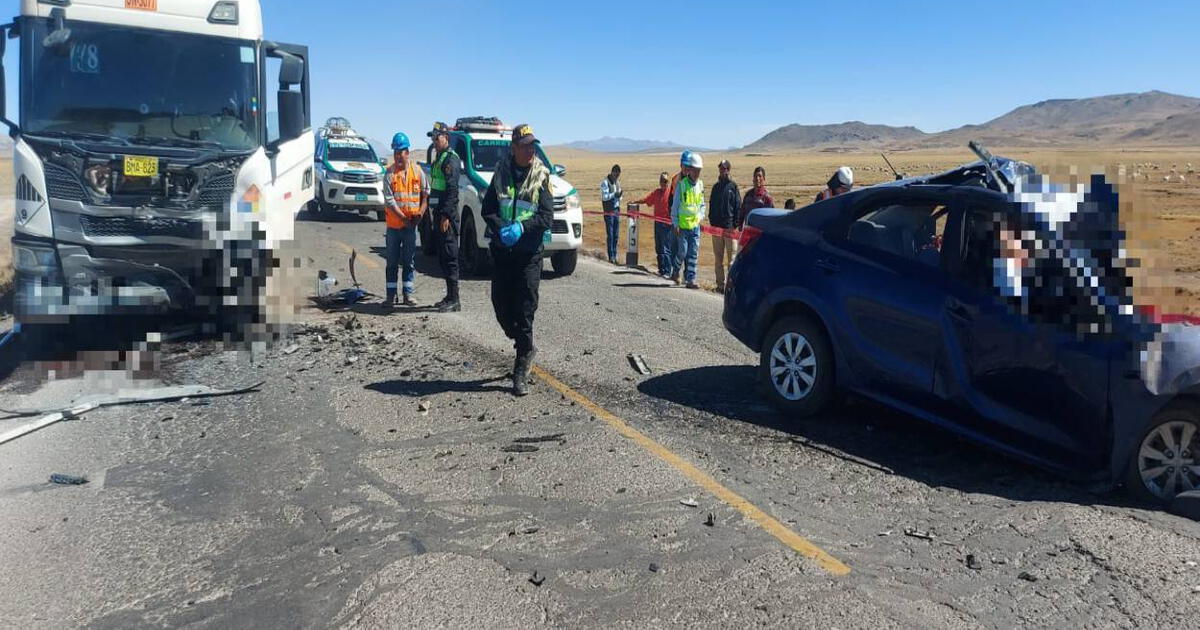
[[853, 134], [608, 144], [1147, 118]]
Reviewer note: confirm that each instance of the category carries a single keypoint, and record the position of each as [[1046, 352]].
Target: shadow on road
[[644, 285], [417, 389], [336, 216], [864, 430]]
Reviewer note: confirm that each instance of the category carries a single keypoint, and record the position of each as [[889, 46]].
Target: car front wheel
[[796, 367], [1167, 459]]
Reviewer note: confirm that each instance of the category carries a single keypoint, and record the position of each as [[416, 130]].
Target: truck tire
[[564, 262], [379, 215], [323, 207], [476, 260]]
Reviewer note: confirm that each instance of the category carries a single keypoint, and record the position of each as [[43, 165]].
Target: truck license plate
[[360, 197], [142, 5], [136, 166]]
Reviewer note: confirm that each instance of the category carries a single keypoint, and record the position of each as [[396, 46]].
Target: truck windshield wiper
[[173, 142], [78, 135]]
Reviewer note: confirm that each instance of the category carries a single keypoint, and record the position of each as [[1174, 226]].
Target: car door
[[1017, 373], [887, 280]]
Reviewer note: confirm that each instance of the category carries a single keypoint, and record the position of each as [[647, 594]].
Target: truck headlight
[[39, 261], [333, 175], [573, 201]]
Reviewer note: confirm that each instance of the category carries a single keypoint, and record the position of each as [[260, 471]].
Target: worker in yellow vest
[[406, 194], [687, 210]]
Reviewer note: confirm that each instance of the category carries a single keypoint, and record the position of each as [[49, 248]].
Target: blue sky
[[719, 74]]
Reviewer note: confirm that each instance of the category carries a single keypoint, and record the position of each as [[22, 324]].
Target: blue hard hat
[[399, 141]]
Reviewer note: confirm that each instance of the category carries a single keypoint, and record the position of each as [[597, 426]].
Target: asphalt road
[[384, 477]]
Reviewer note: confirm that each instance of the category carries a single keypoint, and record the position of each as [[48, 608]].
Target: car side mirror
[[560, 170]]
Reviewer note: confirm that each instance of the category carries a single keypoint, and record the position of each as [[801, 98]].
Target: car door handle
[[958, 310], [828, 266]]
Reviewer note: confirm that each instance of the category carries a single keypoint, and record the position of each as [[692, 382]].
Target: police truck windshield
[[486, 154], [141, 86], [351, 153]]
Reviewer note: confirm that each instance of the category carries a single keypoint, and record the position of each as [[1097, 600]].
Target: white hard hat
[[845, 175], [692, 159]]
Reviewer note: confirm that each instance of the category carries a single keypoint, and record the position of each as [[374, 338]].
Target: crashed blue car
[[986, 300]]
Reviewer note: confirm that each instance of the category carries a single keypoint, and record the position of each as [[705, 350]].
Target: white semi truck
[[162, 150]]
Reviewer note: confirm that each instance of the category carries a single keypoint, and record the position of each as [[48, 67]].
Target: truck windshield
[[486, 154], [140, 85], [351, 153]]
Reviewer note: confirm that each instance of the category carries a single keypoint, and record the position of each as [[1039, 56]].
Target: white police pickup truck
[[481, 143], [349, 173]]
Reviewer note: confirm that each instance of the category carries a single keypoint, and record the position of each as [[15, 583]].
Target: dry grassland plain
[[1161, 218]]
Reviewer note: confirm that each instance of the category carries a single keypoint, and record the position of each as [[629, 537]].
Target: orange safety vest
[[406, 188]]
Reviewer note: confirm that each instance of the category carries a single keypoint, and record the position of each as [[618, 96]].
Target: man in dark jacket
[[724, 208], [518, 209], [443, 202]]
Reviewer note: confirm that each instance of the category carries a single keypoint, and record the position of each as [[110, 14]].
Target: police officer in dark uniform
[[518, 209], [443, 198]]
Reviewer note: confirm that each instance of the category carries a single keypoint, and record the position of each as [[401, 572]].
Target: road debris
[[519, 448], [795, 439], [67, 480], [638, 364], [711, 521], [554, 437], [916, 533], [973, 562], [653, 567], [424, 406], [689, 502], [1027, 576], [537, 579], [291, 349]]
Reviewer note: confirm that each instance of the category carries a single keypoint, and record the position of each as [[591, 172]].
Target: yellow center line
[[749, 510], [366, 260]]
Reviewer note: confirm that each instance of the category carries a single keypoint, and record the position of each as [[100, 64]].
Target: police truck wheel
[[796, 367], [1166, 461], [564, 262], [477, 260]]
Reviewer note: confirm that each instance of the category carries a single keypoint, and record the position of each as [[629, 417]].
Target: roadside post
[[631, 251]]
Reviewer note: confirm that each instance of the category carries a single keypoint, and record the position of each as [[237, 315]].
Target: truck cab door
[[290, 146]]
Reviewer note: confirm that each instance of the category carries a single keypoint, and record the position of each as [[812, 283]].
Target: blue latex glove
[[510, 234]]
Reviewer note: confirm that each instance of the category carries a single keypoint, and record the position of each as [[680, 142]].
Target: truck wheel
[[323, 207], [379, 215], [564, 262], [796, 367], [477, 260], [1166, 461]]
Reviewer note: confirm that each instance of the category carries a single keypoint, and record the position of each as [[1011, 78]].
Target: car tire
[[1151, 452], [796, 367], [323, 207], [475, 259], [564, 262]]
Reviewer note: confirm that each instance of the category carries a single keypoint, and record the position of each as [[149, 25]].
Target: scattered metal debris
[[711, 521], [653, 567], [291, 349], [795, 439], [689, 502], [1027, 576], [537, 579], [67, 480], [916, 533], [554, 437], [424, 406], [973, 562], [638, 364]]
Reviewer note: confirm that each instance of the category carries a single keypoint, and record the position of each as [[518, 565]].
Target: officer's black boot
[[521, 369], [389, 301], [450, 304]]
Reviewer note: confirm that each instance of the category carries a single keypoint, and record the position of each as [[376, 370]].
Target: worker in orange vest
[[406, 194]]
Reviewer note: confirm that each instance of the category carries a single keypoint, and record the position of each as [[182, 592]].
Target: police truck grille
[[560, 204], [94, 226], [351, 190], [63, 184], [359, 178], [559, 227]]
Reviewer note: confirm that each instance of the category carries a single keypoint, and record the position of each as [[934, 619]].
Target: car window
[[980, 247], [460, 148], [910, 230]]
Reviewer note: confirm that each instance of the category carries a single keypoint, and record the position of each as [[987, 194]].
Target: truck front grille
[[215, 193], [560, 204], [62, 183], [359, 178], [351, 190], [94, 226]]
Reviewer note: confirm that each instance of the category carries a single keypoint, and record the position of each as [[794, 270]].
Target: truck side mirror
[[6, 31], [291, 115], [291, 69]]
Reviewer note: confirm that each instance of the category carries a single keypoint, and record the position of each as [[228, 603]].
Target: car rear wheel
[[477, 260], [564, 262], [796, 367], [1167, 459]]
